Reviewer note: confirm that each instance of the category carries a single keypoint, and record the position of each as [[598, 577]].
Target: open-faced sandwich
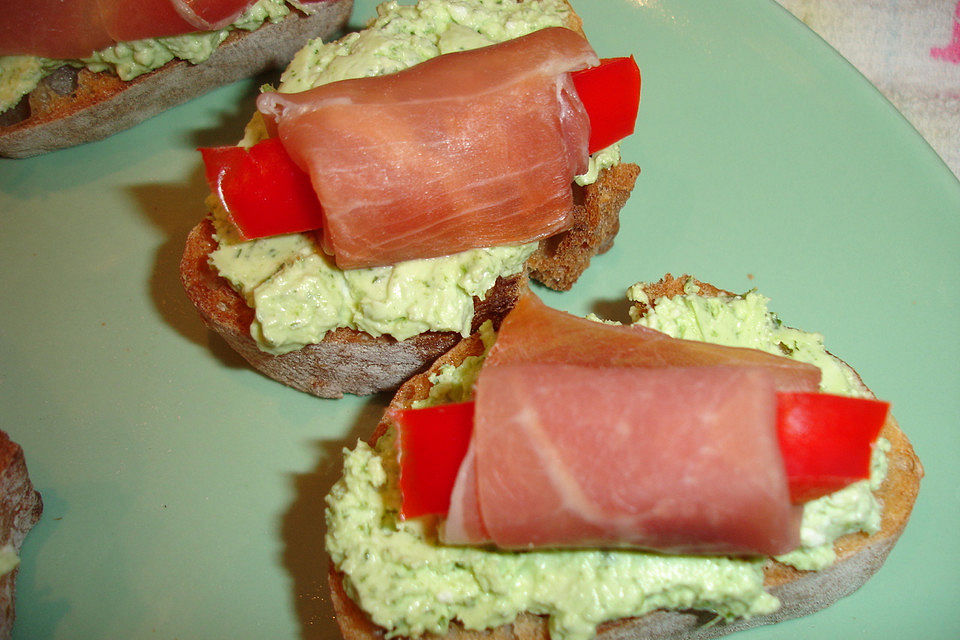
[[401, 183], [20, 509], [702, 471], [74, 71]]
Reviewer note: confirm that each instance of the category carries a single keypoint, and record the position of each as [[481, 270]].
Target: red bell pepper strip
[[433, 443], [264, 192], [267, 194], [610, 92], [826, 442]]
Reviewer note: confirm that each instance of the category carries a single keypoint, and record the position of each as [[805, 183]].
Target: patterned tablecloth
[[909, 50]]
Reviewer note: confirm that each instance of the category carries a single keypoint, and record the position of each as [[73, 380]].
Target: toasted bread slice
[[351, 361], [102, 104], [20, 509], [800, 592]]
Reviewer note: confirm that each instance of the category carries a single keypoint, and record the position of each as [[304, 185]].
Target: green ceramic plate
[[184, 492]]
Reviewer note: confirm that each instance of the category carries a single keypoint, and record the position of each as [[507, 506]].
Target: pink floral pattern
[[951, 52]]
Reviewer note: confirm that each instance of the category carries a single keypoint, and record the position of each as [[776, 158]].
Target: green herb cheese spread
[[19, 75], [297, 292], [409, 584]]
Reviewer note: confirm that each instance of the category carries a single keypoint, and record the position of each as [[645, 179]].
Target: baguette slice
[[102, 104], [800, 592], [20, 509], [351, 361]]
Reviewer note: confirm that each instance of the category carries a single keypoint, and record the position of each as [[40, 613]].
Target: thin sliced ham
[[126, 21], [207, 15], [70, 29], [464, 523], [469, 149], [595, 435], [534, 332], [52, 28], [680, 460]]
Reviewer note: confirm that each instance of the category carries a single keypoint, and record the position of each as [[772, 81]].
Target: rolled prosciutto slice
[[469, 149], [679, 460], [588, 434]]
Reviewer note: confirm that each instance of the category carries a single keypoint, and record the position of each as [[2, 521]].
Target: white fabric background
[[909, 50]]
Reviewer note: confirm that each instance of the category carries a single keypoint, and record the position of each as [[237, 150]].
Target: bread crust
[[346, 360], [559, 260], [351, 361], [103, 104], [20, 509], [859, 555]]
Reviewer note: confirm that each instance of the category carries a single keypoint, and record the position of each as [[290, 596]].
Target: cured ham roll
[[560, 423], [704, 466], [469, 149]]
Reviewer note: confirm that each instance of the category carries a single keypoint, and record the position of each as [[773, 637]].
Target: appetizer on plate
[[20, 509], [702, 471], [396, 189], [76, 71]]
